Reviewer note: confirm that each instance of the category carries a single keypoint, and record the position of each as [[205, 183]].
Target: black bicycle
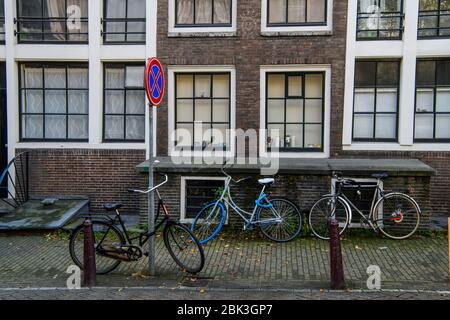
[[114, 245]]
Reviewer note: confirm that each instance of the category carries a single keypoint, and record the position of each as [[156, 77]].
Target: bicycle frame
[[378, 193], [143, 238], [248, 217]]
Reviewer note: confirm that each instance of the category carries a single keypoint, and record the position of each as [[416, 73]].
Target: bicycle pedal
[[248, 227]]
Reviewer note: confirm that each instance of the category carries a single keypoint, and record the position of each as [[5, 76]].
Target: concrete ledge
[[201, 34], [296, 33], [359, 167]]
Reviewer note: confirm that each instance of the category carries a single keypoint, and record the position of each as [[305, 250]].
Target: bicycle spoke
[[282, 222], [184, 250], [397, 216]]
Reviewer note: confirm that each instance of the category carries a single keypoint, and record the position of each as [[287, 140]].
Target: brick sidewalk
[[419, 263], [183, 294]]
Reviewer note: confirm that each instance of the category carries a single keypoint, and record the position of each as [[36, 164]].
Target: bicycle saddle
[[380, 175], [112, 206], [266, 181]]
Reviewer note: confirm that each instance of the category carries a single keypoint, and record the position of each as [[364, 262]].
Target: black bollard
[[89, 274], [336, 267]]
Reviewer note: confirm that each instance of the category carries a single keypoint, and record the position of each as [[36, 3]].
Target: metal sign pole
[[154, 86], [151, 199]]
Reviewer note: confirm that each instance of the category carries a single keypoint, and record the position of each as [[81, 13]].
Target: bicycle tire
[[186, 245], [206, 231], [318, 222], [98, 258], [395, 220], [270, 231]]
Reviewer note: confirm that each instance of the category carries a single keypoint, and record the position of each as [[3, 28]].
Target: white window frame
[[300, 30], [327, 105], [409, 49], [183, 218], [172, 70], [209, 30]]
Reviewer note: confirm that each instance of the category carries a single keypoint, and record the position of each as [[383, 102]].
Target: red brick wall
[[302, 190], [102, 175], [247, 51]]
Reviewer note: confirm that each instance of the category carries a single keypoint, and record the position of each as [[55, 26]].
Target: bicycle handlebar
[[230, 177], [166, 178]]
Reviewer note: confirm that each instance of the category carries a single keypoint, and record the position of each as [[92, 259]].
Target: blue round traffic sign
[[154, 81]]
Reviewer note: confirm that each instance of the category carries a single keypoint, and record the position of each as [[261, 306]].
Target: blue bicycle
[[279, 219]]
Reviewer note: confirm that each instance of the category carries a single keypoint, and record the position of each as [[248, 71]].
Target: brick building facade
[[255, 56]]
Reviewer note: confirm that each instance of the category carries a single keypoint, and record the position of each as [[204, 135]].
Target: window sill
[[202, 34], [295, 33], [79, 145], [383, 146]]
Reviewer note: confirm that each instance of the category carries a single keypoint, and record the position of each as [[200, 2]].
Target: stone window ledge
[[295, 33], [357, 167], [201, 34]]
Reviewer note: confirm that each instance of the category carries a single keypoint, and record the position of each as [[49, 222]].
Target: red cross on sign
[[154, 81]]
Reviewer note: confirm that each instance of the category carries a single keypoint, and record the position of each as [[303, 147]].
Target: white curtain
[[203, 12], [185, 14], [277, 11], [116, 9], [136, 9], [316, 11], [222, 9], [296, 11], [56, 9], [79, 34]]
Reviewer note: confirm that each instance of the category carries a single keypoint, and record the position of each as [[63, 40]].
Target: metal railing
[[39, 30], [389, 25], [16, 175], [125, 36], [438, 29]]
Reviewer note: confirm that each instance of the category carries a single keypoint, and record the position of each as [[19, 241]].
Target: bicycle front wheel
[[282, 222], [208, 222], [105, 236], [322, 211], [397, 216], [183, 247]]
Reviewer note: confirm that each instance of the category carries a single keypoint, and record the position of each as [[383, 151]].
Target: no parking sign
[[154, 86], [154, 81]]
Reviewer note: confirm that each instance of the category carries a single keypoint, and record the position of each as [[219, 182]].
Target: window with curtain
[[432, 112], [297, 12], [54, 102], [203, 13], [375, 109], [124, 103], [202, 110], [379, 19], [295, 111], [434, 18], [124, 21], [2, 21], [52, 21]]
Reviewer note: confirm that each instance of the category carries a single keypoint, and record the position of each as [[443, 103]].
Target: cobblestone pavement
[[420, 263], [181, 294]]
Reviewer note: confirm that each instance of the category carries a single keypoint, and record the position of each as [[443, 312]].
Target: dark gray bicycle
[[396, 215], [114, 245]]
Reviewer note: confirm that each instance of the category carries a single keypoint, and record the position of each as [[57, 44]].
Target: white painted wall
[[408, 49], [95, 53]]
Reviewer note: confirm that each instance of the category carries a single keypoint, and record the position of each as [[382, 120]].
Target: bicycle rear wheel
[[321, 212], [397, 216], [107, 234], [183, 247], [291, 220], [208, 222]]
